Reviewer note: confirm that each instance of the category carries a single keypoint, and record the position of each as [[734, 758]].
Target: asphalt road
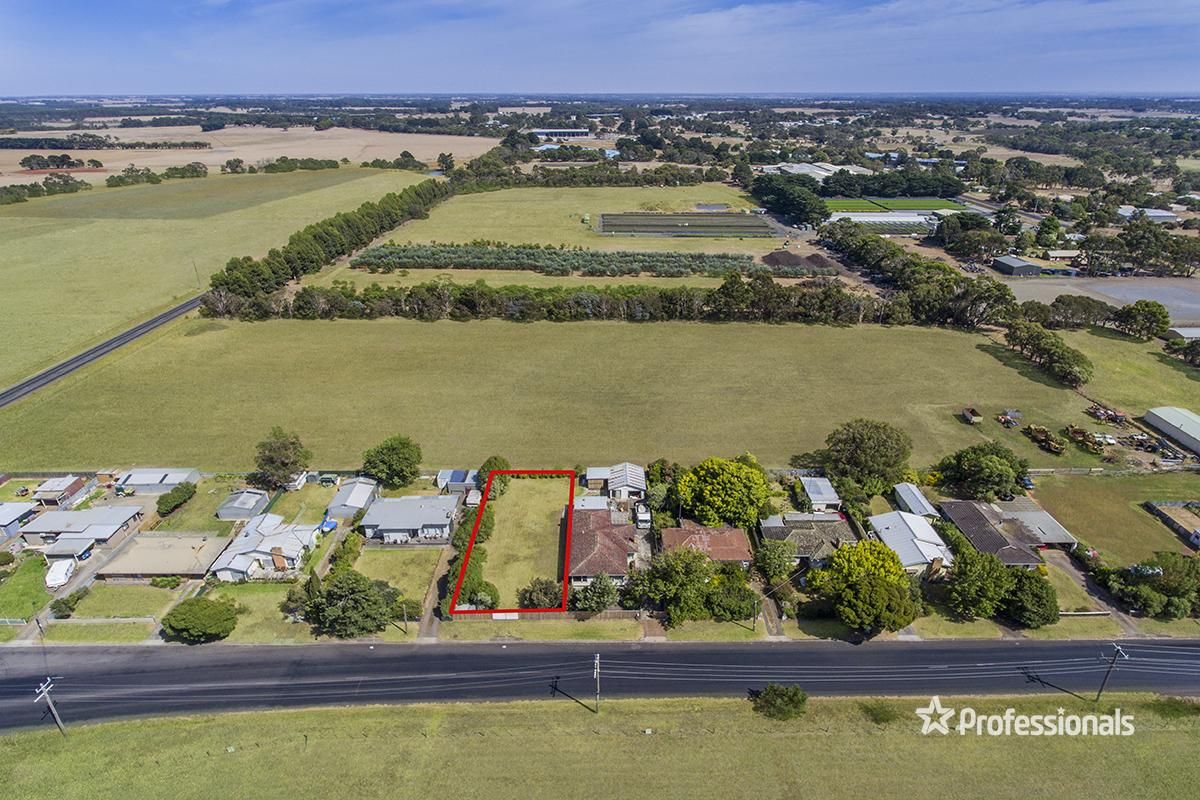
[[63, 368], [106, 682]]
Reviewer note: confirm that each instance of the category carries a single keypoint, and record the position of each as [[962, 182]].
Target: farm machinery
[[1088, 441], [1046, 439]]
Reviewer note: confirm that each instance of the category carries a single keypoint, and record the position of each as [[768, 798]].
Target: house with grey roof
[[986, 528], [13, 515], [264, 548], [910, 498], [353, 496], [417, 519], [98, 525], [624, 481], [457, 481], [1038, 526], [157, 480], [65, 492], [914, 540], [814, 535], [243, 504], [821, 494]]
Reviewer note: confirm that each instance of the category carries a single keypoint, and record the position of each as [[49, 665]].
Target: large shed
[[1178, 424], [244, 504], [1016, 266]]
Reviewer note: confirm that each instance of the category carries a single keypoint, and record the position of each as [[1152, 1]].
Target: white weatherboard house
[[353, 496], [822, 494], [263, 547], [419, 519], [158, 480], [911, 499], [12, 515], [913, 539]]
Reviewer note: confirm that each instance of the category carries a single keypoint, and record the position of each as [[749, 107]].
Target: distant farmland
[[685, 224]]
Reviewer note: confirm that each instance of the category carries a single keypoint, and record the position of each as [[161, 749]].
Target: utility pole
[[43, 693], [1112, 663], [596, 672]]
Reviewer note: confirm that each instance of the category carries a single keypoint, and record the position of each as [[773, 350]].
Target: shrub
[[64, 607], [540, 593], [199, 619], [166, 581], [6, 558], [780, 702], [175, 498], [1032, 602]]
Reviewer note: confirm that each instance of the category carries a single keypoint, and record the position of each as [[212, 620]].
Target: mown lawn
[[305, 506], [1135, 376], [98, 633], [527, 540], [1071, 596], [1078, 628], [543, 394], [478, 630], [261, 621], [78, 268], [23, 590], [709, 631], [557, 216], [8, 491], [409, 570], [697, 748], [1106, 511], [940, 625], [198, 515], [125, 600]]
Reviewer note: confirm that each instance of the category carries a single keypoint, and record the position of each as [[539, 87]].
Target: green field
[[915, 203], [527, 540], [125, 600], [543, 394], [98, 633], [409, 570], [556, 216], [1135, 376], [1106, 512], [665, 749], [851, 204], [79, 268], [198, 515], [23, 590]]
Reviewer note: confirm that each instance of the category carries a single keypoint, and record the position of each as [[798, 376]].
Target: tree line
[[285, 164], [133, 176], [60, 161], [90, 141], [55, 183]]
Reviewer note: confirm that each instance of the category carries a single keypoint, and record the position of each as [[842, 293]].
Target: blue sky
[[702, 46]]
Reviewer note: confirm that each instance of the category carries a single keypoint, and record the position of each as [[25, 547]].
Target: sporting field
[[79, 268], [666, 749], [915, 203], [557, 216], [543, 394], [1106, 511], [527, 540], [685, 224]]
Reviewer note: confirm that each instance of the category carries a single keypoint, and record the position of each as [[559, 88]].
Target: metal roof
[[63, 521], [1180, 424], [244, 498], [913, 500], [159, 476], [355, 493], [11, 512], [911, 537], [627, 476], [260, 537], [411, 513], [820, 490]]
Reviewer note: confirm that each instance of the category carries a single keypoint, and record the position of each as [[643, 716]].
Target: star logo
[[935, 717]]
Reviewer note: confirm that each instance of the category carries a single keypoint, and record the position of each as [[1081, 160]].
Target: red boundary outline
[[487, 493]]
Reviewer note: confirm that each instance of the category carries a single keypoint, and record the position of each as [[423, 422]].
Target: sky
[[610, 46]]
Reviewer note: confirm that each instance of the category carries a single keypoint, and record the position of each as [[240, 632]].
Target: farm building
[[988, 532], [157, 480], [65, 492], [624, 481], [1186, 334], [561, 133], [821, 494], [150, 555], [265, 547], [907, 219], [726, 545], [815, 536], [457, 481], [96, 525], [12, 515], [243, 504], [819, 171], [913, 539], [418, 519], [1178, 424], [605, 541], [1062, 255], [1016, 266], [1152, 214], [911, 499], [353, 496]]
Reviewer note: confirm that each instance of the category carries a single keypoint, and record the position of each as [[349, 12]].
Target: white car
[[59, 573]]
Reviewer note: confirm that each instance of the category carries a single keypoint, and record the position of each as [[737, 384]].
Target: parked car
[[1026, 482]]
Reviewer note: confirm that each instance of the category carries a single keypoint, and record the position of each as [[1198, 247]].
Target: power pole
[[1112, 663], [596, 672], [43, 693]]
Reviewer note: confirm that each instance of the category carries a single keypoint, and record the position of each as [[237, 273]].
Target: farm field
[[555, 216], [685, 224], [500, 277], [521, 750], [1106, 513], [915, 203], [852, 204], [528, 538], [79, 268], [409, 570], [1135, 376], [541, 393], [253, 144]]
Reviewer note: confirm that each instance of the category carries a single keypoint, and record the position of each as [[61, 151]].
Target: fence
[[535, 616], [12, 621]]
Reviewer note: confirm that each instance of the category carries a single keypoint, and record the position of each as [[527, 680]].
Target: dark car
[[1026, 482]]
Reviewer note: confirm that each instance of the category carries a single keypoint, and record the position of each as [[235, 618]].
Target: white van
[[59, 573]]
